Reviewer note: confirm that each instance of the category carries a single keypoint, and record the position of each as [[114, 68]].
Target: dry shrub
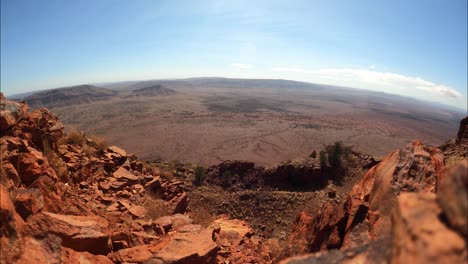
[[59, 166], [166, 174], [155, 207], [275, 248], [100, 143], [88, 151], [75, 137], [62, 141]]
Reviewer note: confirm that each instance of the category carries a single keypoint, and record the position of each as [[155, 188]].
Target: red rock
[[164, 222], [40, 250], [153, 185], [232, 232], [11, 226], [419, 236], [180, 220], [48, 187], [365, 214], [179, 204], [104, 186], [135, 210], [139, 254], [117, 150], [11, 173], [10, 113], [29, 167], [123, 174], [193, 247], [28, 201], [117, 185], [183, 248], [452, 197], [81, 233], [70, 256]]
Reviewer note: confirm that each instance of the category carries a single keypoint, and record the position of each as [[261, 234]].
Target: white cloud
[[242, 66], [372, 66], [381, 81]]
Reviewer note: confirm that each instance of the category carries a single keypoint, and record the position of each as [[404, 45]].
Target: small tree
[[313, 154], [199, 175], [323, 159], [335, 152]]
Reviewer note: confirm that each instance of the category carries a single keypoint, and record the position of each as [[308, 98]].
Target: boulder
[[231, 232], [179, 204], [452, 197], [28, 201], [180, 220], [419, 235], [81, 233], [164, 222], [10, 113]]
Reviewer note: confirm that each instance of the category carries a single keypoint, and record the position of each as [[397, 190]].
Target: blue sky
[[414, 48]]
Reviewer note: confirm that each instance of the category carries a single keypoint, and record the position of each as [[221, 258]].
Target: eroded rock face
[[419, 235], [365, 214], [452, 197]]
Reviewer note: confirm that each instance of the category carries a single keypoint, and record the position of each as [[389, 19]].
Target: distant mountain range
[[165, 87], [154, 90], [69, 95]]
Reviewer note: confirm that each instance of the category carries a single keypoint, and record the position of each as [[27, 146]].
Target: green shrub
[[199, 175], [313, 154]]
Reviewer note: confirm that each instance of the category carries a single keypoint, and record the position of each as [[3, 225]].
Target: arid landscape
[[68, 197], [209, 120], [233, 132]]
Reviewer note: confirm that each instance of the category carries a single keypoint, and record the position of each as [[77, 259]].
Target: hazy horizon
[[104, 85], [415, 49]]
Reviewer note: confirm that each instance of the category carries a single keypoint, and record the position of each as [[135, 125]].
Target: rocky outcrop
[[67, 199], [409, 202], [365, 214], [419, 236]]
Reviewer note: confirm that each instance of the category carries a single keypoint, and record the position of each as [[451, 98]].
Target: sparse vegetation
[[226, 179], [332, 159], [313, 154], [59, 166], [100, 143], [199, 175], [75, 137], [155, 207]]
